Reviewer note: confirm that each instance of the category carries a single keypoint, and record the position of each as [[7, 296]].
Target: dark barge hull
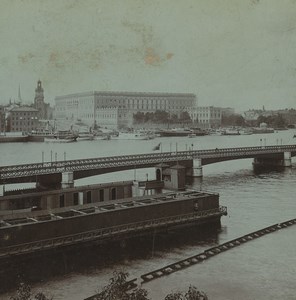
[[101, 222]]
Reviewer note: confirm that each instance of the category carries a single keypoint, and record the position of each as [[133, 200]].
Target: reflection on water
[[254, 200], [87, 259]]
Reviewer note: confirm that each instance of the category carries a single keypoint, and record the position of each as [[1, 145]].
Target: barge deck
[[110, 220]]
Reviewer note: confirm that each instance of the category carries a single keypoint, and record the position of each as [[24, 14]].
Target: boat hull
[[59, 140]]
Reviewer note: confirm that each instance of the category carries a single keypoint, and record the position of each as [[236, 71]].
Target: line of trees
[[275, 121], [116, 290], [161, 116]]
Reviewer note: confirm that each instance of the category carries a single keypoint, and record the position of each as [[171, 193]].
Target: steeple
[[19, 94]]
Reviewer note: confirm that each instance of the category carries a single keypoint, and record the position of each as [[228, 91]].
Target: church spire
[[19, 94]]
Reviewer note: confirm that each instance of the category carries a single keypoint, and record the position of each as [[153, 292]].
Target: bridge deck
[[83, 167]]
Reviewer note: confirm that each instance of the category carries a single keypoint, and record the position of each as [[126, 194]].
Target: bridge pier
[[67, 180], [284, 161], [287, 159], [197, 168]]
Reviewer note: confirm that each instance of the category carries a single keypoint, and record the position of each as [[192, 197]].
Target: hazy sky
[[238, 53]]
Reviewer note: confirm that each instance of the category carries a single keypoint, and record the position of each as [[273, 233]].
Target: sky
[[230, 53]]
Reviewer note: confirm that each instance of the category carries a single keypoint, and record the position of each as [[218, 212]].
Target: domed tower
[[39, 100]]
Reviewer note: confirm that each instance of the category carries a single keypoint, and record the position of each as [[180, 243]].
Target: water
[[261, 269]]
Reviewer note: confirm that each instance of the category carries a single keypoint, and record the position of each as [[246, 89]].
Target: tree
[[139, 117], [24, 293], [185, 117], [276, 121], [161, 116], [117, 289], [191, 294], [233, 120]]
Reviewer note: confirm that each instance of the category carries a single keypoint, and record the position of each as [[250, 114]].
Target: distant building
[[22, 119], [252, 114], [88, 106], [2, 119], [206, 116], [289, 115], [227, 111]]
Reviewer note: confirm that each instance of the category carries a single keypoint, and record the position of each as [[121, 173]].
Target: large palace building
[[97, 107]]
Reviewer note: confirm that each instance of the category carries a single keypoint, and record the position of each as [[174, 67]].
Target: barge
[[35, 231]]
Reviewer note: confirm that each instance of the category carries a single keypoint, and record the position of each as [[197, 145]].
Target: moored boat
[[230, 132], [85, 136], [39, 136], [130, 136], [62, 136]]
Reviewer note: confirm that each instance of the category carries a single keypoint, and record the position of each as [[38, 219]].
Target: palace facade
[[89, 107]]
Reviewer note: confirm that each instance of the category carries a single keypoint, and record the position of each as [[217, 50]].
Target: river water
[[261, 269]]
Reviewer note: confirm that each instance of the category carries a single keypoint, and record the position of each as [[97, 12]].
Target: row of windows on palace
[[89, 116], [138, 107], [122, 101]]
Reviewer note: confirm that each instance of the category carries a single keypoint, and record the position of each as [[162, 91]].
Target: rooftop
[[24, 108]]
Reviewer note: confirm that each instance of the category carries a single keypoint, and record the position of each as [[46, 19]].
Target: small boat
[[85, 136], [39, 136], [191, 135], [246, 132], [106, 137], [131, 136], [230, 132], [62, 136]]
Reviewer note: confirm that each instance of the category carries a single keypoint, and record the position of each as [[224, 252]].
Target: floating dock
[[111, 220]]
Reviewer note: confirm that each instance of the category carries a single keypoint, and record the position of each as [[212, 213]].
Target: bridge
[[51, 173]]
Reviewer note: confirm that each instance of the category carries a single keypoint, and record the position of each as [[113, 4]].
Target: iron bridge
[[94, 166]]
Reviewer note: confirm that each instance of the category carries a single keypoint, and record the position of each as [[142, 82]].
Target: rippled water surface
[[261, 269]]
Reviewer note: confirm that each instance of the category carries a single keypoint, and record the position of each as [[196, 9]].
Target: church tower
[[39, 100]]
